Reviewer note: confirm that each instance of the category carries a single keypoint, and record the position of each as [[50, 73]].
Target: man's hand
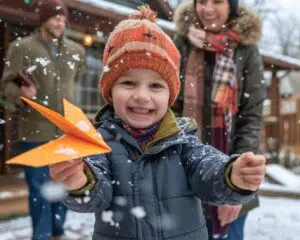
[[228, 213], [248, 171], [28, 92], [70, 174], [196, 36]]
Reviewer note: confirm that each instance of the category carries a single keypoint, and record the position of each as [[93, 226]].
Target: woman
[[223, 88]]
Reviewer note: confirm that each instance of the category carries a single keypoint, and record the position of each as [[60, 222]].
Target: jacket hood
[[248, 23]]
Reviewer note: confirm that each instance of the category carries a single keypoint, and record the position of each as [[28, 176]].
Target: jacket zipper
[[157, 209], [136, 193]]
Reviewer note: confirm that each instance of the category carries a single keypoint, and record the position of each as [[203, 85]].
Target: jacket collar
[[170, 130]]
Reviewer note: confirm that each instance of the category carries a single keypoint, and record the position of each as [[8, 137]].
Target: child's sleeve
[[96, 195], [207, 171]]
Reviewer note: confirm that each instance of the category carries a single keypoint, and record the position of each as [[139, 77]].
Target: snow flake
[[99, 34], [107, 216], [53, 192], [71, 65], [86, 199], [79, 200], [106, 69], [31, 69], [2, 121], [246, 95], [45, 102], [76, 57], [121, 201], [43, 61], [138, 212]]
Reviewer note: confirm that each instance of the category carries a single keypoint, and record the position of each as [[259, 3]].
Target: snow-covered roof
[[280, 57], [125, 11]]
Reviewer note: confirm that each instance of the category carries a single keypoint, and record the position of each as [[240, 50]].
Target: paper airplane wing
[[79, 126], [76, 116], [62, 149]]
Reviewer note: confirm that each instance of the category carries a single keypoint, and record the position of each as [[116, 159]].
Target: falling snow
[[53, 192], [107, 216], [106, 68], [43, 61], [76, 57], [71, 65], [31, 69], [138, 212]]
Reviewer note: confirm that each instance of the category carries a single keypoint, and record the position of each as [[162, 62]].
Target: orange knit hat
[[139, 42]]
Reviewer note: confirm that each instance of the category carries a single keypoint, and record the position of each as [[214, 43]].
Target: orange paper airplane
[[81, 138]]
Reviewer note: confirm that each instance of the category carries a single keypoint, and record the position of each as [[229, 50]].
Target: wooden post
[[275, 107]]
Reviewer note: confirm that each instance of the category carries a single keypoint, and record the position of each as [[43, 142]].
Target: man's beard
[[52, 34]]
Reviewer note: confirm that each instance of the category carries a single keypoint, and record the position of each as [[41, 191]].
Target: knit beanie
[[50, 8], [233, 8], [138, 42]]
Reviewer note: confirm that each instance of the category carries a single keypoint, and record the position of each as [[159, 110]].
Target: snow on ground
[[276, 219]]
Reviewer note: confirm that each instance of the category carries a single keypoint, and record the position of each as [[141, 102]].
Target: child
[[149, 185]]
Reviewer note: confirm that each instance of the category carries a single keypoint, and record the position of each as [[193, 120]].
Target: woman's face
[[213, 14]]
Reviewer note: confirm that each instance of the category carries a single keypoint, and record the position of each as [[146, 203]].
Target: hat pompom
[[145, 12]]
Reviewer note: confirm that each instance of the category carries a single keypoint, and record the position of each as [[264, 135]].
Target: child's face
[[140, 97]]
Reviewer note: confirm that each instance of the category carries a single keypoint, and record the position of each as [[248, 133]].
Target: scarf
[[224, 82], [142, 136], [223, 96]]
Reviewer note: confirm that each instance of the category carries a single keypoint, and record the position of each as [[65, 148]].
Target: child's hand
[[70, 174], [248, 171]]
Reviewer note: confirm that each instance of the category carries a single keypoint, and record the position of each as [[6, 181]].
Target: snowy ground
[[276, 219]]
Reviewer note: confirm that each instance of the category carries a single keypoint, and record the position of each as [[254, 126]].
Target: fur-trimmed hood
[[248, 24]]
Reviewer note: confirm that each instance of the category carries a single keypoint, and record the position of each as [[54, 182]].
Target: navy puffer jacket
[[153, 194]]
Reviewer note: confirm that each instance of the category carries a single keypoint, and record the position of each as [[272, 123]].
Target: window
[[88, 95]]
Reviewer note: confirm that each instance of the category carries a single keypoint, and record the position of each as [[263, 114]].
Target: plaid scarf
[[223, 97], [224, 90], [142, 136]]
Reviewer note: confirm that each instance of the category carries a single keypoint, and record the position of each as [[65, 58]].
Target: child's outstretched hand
[[70, 174], [248, 171]]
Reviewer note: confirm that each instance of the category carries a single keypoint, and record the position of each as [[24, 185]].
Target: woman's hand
[[196, 36], [70, 174], [228, 213]]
